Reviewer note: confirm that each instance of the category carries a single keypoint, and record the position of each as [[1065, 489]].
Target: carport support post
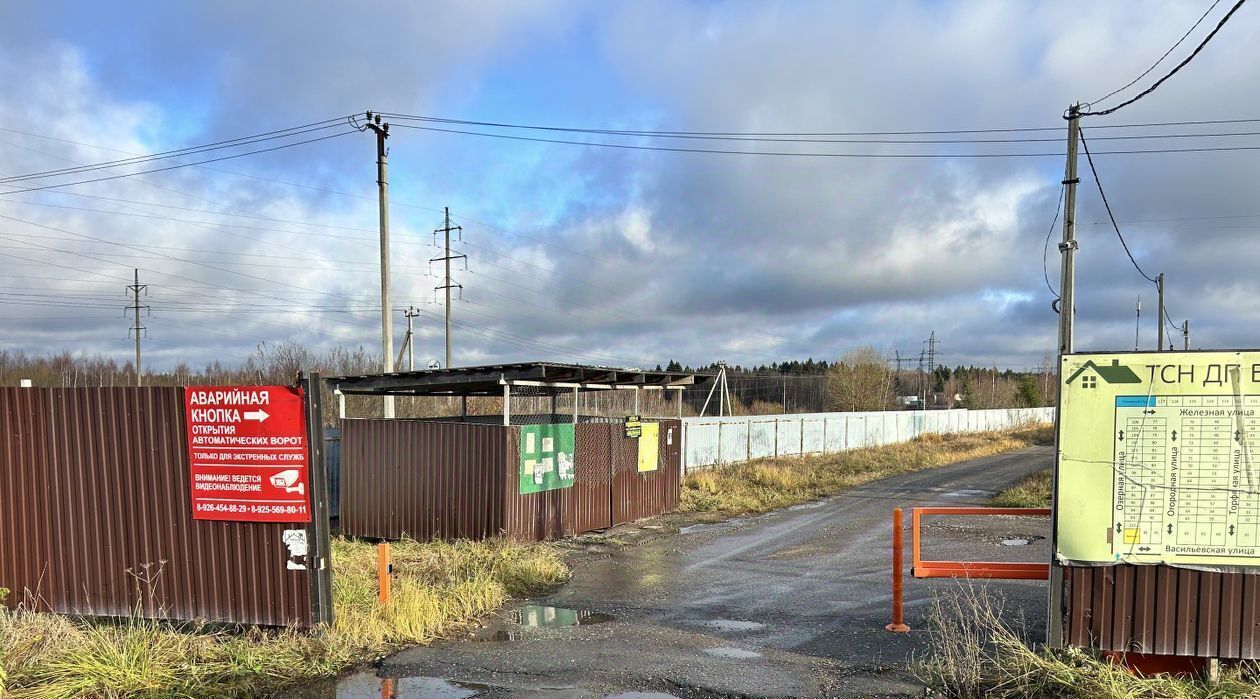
[[636, 400], [575, 405], [507, 404]]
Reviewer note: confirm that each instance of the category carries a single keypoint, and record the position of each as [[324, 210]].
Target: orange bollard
[[387, 687], [382, 571], [898, 624]]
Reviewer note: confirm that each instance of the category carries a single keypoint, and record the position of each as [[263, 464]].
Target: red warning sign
[[247, 446]]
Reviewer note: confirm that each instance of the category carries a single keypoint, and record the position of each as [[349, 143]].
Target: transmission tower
[[136, 289], [448, 283]]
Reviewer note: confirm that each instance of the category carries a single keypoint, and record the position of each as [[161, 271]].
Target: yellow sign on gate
[[1158, 458], [649, 438]]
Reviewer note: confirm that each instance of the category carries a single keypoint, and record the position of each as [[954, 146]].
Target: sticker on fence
[[547, 457], [649, 439], [248, 453]]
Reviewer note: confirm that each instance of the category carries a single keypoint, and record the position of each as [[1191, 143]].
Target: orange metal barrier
[[920, 568], [1003, 570]]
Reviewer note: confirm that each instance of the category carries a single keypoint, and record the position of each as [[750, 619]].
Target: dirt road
[[787, 604]]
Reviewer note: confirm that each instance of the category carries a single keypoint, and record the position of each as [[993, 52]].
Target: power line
[[663, 134], [191, 150], [815, 154], [1110, 215], [1161, 58], [1154, 86], [179, 165]]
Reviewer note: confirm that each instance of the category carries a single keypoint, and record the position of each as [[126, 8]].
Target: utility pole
[[1185, 334], [1159, 282], [135, 309], [382, 182], [1067, 312], [409, 344], [1137, 331], [447, 283]]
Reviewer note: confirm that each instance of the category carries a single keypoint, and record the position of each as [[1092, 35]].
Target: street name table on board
[[248, 451]]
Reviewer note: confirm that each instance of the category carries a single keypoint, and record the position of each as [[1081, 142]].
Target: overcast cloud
[[606, 255]]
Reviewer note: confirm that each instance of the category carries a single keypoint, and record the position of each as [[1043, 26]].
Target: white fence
[[708, 441]]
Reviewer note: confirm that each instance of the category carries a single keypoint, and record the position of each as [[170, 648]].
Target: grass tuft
[[974, 652], [438, 588], [1033, 491], [770, 484]]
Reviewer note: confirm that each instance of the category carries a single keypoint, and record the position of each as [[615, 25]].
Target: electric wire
[[816, 154], [1154, 86], [1045, 249], [1110, 215], [180, 152], [1161, 58], [178, 165]]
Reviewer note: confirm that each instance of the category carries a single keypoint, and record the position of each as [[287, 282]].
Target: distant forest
[[859, 380]]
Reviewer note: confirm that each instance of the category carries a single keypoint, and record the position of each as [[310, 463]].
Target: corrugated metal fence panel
[[710, 441], [423, 479], [1164, 610], [96, 508], [531, 516], [637, 495]]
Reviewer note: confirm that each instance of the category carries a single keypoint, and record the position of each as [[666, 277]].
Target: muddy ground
[[786, 604]]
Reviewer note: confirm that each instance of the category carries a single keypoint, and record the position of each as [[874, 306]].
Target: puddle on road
[[366, 685], [1015, 542], [970, 493], [540, 615], [640, 695], [733, 653], [732, 625]]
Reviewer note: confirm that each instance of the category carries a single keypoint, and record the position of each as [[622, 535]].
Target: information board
[[547, 457], [1157, 459], [247, 448], [649, 446]]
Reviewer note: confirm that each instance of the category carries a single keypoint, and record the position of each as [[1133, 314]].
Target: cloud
[[615, 256]]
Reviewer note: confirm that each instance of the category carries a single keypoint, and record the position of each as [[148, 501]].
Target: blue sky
[[603, 255]]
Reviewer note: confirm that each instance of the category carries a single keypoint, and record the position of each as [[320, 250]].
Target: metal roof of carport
[[490, 379]]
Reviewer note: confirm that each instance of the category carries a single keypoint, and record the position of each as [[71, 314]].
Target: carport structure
[[492, 380], [533, 476]]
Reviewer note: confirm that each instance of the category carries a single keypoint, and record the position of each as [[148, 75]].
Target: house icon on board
[[1113, 373]]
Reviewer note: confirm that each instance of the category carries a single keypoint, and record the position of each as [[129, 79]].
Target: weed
[[769, 484], [439, 587], [975, 652], [1033, 491]]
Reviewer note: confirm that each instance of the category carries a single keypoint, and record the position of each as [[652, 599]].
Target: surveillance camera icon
[[286, 479]]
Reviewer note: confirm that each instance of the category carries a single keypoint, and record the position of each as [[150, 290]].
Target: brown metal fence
[[1163, 610], [399, 481], [421, 479], [96, 519]]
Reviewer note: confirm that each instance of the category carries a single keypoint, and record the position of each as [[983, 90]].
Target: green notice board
[[547, 453]]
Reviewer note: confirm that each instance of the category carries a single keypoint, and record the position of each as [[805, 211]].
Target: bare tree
[[860, 381]]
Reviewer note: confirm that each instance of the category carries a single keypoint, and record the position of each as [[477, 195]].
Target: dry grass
[[1033, 491], [975, 652], [438, 588], [769, 484]]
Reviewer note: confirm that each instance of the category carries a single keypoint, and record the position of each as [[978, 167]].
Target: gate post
[[319, 561]]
